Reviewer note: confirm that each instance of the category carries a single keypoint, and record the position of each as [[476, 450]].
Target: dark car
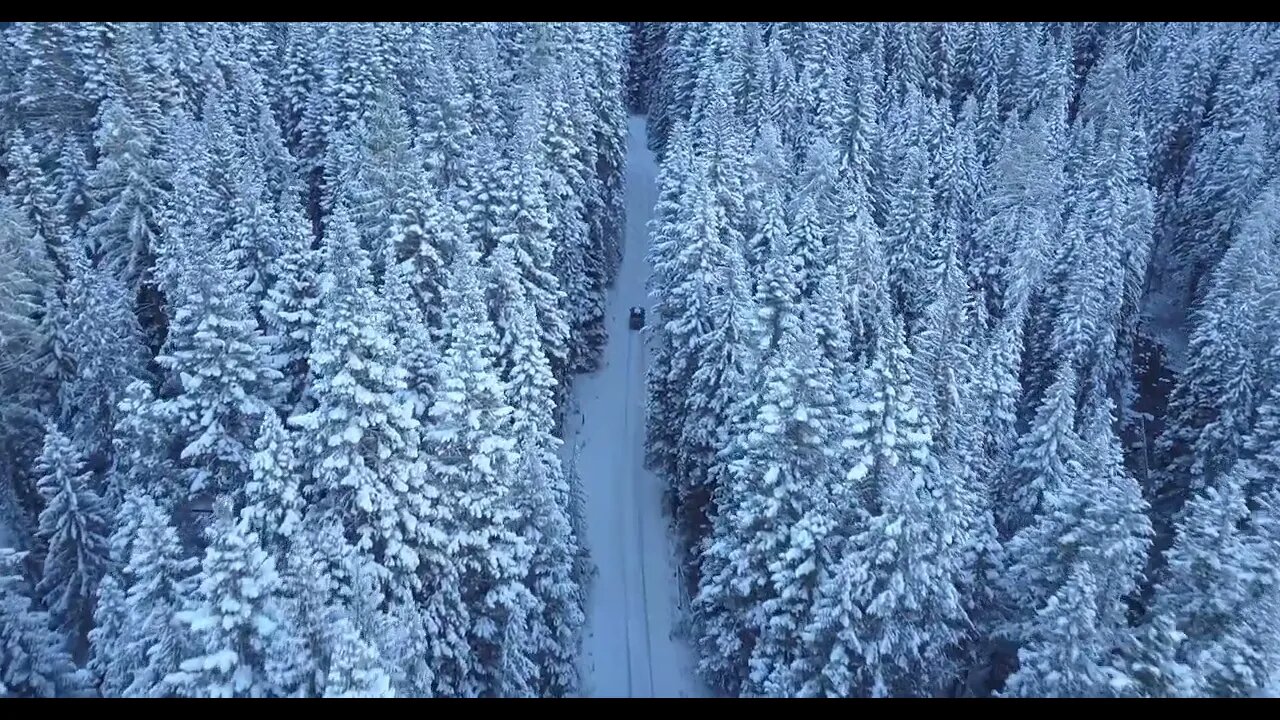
[[637, 318]]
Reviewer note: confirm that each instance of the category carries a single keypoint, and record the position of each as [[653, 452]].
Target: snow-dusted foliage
[[959, 374], [333, 281], [1038, 264]]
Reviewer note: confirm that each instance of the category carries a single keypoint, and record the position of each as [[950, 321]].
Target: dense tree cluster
[[922, 292], [963, 377], [287, 316]]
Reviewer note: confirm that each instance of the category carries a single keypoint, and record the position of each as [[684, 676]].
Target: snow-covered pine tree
[[910, 218], [33, 343], [472, 458], [760, 563], [234, 623], [697, 271], [1213, 401], [1219, 589], [728, 356], [362, 458], [1093, 526], [273, 502], [107, 352], [160, 577], [905, 574], [219, 376], [51, 96], [675, 183], [1047, 456], [354, 666], [73, 530], [34, 661], [530, 235], [36, 191], [385, 174], [289, 309], [126, 192], [577, 263], [1064, 655]]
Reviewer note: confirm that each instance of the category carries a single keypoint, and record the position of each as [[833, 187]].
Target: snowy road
[[630, 647]]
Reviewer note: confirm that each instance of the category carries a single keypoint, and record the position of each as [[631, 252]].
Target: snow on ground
[[1167, 326], [630, 645]]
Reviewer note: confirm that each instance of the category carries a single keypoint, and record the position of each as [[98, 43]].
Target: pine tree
[[219, 375], [52, 96], [425, 237], [906, 578], [759, 568], [447, 130], [216, 353], [34, 661], [110, 667], [1103, 232], [1148, 665], [1214, 400], [1046, 457], [160, 579], [727, 358], [1064, 657], [868, 305], [273, 503], [35, 350], [234, 622], [363, 461], [1095, 524], [108, 664], [73, 202], [541, 489], [385, 173], [1260, 459], [472, 457], [571, 230], [1226, 171], [107, 351], [35, 191], [887, 434], [1011, 249], [674, 183], [73, 528], [959, 184], [866, 143], [335, 610], [770, 172], [125, 189], [600, 46], [1219, 587], [354, 666], [177, 45], [910, 221], [778, 276], [689, 325], [944, 353], [289, 308], [254, 235], [412, 333], [530, 236], [831, 638], [141, 440], [554, 628]]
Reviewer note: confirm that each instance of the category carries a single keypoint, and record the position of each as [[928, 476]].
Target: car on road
[[637, 317]]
